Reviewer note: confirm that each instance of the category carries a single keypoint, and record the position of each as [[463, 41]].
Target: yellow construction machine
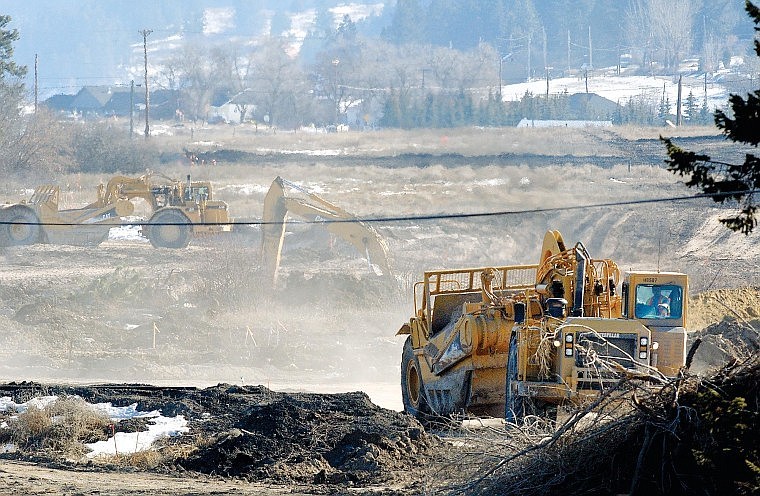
[[521, 339], [180, 210], [310, 207]]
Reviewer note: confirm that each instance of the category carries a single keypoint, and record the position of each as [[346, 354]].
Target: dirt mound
[[316, 438], [713, 306], [257, 434], [725, 341]]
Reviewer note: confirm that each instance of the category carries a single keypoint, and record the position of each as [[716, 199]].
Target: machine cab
[[659, 300]]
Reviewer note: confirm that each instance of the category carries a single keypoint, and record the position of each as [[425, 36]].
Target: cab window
[[658, 301]]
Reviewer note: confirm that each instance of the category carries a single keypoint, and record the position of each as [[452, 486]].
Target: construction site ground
[[297, 385]]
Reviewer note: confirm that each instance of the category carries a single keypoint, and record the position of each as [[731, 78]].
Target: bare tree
[[671, 23], [234, 67], [33, 144], [278, 83], [443, 64], [638, 30], [660, 30], [197, 74]]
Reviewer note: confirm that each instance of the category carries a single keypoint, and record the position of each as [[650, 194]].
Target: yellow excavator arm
[[312, 208]]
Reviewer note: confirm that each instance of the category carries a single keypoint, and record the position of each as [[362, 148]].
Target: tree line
[[410, 85], [567, 34]]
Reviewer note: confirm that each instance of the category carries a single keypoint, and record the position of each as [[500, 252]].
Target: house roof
[[59, 102], [112, 100], [96, 97], [245, 97], [591, 105], [562, 123]]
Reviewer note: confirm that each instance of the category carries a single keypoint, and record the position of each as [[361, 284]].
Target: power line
[[406, 218]]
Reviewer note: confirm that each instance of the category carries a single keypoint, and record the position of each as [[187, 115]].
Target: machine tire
[[412, 389], [514, 405], [169, 229], [18, 235]]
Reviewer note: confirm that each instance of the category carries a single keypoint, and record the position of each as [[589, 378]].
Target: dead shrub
[[690, 436], [143, 460], [30, 426], [164, 452], [62, 427]]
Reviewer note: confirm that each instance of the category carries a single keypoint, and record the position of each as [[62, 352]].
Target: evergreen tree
[[692, 111], [407, 25], [390, 110], [726, 181], [347, 29], [663, 111], [704, 113], [8, 67]]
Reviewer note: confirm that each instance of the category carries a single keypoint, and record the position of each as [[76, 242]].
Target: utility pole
[[585, 75], [132, 109], [590, 51], [678, 106], [568, 52], [145, 33], [545, 50], [530, 69], [35, 84]]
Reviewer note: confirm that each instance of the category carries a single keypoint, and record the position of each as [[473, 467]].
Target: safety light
[[643, 343], [569, 344], [556, 343], [655, 345]]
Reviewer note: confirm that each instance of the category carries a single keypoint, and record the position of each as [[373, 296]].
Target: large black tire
[[169, 229], [412, 388], [514, 407], [25, 233]]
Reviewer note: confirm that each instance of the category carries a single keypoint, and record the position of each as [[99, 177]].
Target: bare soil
[[318, 442], [125, 312]]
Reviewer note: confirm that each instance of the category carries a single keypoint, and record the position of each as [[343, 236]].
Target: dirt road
[[30, 478]]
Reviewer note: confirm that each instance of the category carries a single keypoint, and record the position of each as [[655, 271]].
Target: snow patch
[[132, 442], [128, 232], [620, 89], [7, 403]]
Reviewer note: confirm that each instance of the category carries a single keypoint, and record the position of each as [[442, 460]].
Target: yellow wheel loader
[[515, 340], [180, 211], [308, 206]]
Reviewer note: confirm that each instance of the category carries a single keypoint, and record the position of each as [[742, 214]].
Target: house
[[363, 114], [92, 100], [115, 101], [60, 103], [225, 108]]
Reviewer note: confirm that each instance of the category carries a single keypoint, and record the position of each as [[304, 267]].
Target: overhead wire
[[407, 218]]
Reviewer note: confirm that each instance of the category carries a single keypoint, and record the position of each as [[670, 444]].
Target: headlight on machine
[[569, 338], [643, 343]]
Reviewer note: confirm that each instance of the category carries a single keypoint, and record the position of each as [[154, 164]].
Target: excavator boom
[[312, 208]]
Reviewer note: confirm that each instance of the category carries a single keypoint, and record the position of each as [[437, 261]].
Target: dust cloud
[[126, 312]]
